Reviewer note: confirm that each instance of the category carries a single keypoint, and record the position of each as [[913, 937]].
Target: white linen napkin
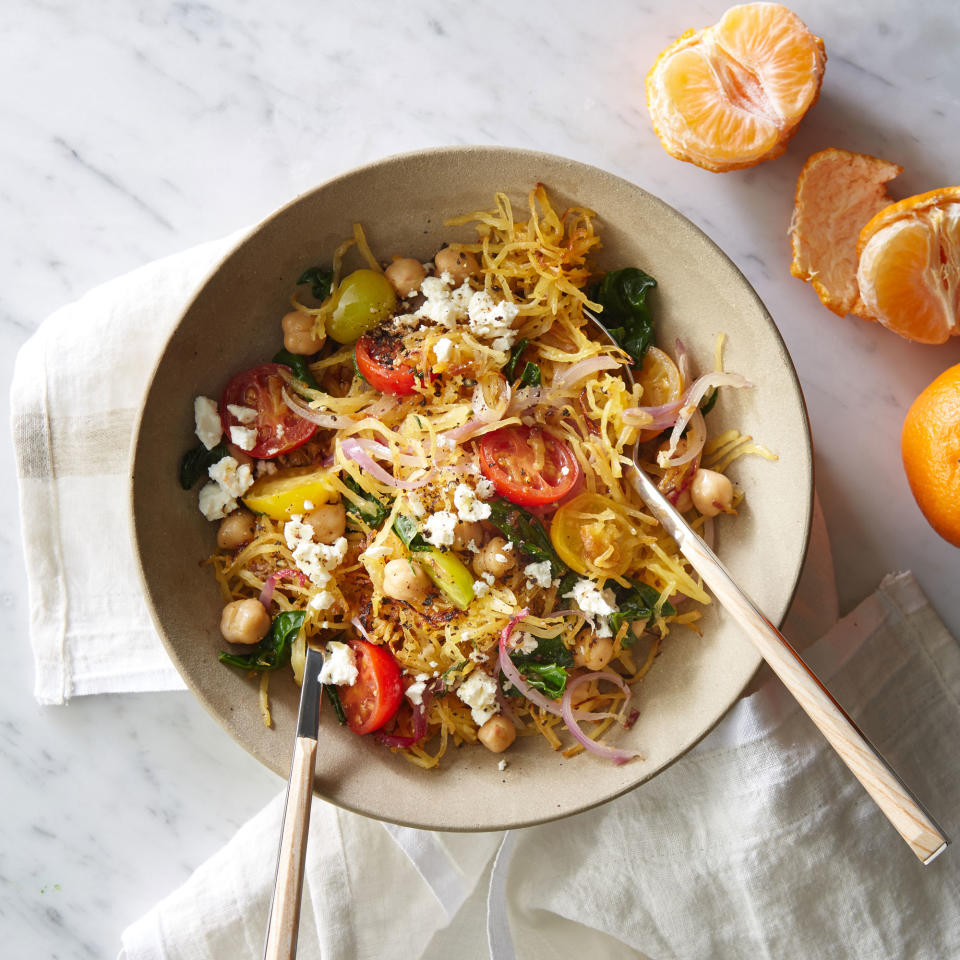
[[759, 843]]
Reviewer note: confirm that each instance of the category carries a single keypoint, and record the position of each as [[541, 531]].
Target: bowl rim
[[244, 237]]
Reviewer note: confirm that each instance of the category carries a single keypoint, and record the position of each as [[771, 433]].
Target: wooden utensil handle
[[888, 791], [285, 909]]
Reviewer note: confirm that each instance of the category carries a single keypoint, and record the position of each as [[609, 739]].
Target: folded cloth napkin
[[759, 843]]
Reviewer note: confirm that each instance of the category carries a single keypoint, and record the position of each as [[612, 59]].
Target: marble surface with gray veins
[[132, 130]]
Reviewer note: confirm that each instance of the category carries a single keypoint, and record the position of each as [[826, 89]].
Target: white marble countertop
[[133, 130]]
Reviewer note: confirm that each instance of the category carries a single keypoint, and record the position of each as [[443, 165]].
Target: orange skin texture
[[930, 447]]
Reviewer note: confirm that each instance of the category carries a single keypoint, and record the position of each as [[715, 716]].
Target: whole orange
[[930, 446]]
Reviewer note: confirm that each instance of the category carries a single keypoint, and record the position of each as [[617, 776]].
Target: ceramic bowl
[[402, 202]]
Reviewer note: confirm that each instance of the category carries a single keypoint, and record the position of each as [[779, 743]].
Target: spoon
[[284, 922], [904, 811]]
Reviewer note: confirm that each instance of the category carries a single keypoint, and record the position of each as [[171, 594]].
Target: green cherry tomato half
[[363, 301], [449, 575]]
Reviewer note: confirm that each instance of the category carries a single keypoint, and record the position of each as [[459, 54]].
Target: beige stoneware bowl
[[402, 202]]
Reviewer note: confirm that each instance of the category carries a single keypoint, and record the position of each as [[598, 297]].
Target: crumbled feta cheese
[[539, 573], [502, 765], [236, 479], [207, 420], [215, 502], [439, 528], [477, 657], [469, 507], [594, 603], [479, 693], [263, 468], [527, 643], [443, 349], [433, 663], [316, 560], [243, 437], [307, 504], [416, 689], [472, 546], [416, 504], [508, 546], [243, 414], [339, 665], [480, 588], [485, 488], [441, 305], [323, 600], [488, 577], [492, 319], [500, 557]]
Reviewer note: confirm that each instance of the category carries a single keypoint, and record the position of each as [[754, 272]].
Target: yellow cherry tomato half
[[362, 301], [593, 536], [661, 382], [280, 495]]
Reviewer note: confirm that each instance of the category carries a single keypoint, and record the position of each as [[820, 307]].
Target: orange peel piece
[[838, 192], [730, 96]]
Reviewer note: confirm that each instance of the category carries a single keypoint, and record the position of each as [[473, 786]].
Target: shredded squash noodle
[[484, 451]]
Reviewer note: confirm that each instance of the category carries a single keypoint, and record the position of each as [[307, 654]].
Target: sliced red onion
[[382, 451], [523, 400], [330, 421], [358, 626], [695, 441], [483, 410], [583, 368], [266, 594], [660, 417], [615, 754], [352, 449], [419, 726], [683, 361]]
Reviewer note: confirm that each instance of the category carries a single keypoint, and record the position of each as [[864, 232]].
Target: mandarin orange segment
[[909, 267], [930, 446], [837, 194], [731, 95]]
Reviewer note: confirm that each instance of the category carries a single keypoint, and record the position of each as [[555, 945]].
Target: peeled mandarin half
[[930, 446], [730, 96], [909, 268], [837, 194]]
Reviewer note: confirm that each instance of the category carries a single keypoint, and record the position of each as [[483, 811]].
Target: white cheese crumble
[[307, 504], [263, 468], [480, 588], [527, 644], [416, 689], [339, 665], [442, 305], [502, 765], [594, 603], [439, 528], [243, 414], [215, 502], [207, 420], [479, 693], [472, 546], [443, 349], [538, 573], [236, 479], [416, 504], [243, 437], [492, 319], [316, 560], [469, 507], [323, 600], [485, 488]]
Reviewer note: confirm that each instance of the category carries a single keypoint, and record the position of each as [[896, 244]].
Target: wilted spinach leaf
[[545, 668], [298, 364], [707, 405], [530, 376], [320, 281], [274, 649], [198, 461], [511, 366], [373, 512], [334, 697], [406, 529], [636, 602], [527, 532], [626, 314]]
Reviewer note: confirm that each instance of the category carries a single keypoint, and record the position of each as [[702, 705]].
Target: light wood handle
[[285, 909], [878, 778]]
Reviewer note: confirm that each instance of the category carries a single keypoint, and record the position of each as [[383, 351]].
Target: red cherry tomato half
[[528, 465], [384, 364], [278, 428], [375, 696]]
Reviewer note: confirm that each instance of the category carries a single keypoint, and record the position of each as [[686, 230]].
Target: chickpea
[[244, 621], [711, 492], [494, 558], [458, 263], [591, 651], [464, 532], [299, 335], [236, 530], [405, 275], [329, 521], [497, 733], [405, 580]]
